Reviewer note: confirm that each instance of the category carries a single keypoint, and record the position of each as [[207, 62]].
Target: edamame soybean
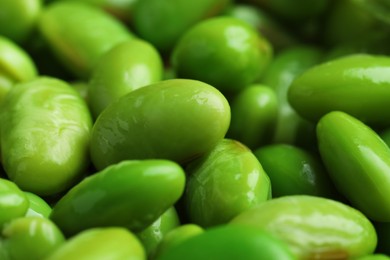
[[265, 23], [295, 171], [37, 206], [150, 135], [357, 84], [178, 119], [126, 67], [18, 18], [233, 54], [229, 243], [176, 236], [131, 194], [253, 115], [172, 18], [224, 183], [45, 133], [313, 227], [70, 30], [31, 237], [151, 236], [16, 66], [13, 202], [287, 64], [374, 257], [114, 243], [358, 162]]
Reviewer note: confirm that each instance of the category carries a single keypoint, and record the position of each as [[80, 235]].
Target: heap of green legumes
[[207, 129]]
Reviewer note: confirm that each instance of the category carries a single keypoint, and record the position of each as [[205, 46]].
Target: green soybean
[[293, 170], [70, 30], [31, 238], [16, 65], [151, 236], [13, 202], [374, 257], [100, 244], [358, 162], [176, 119], [176, 236], [45, 135], [229, 242], [130, 194], [172, 18], [313, 227], [265, 23], [233, 54], [290, 62], [126, 67], [223, 183], [357, 84], [37, 206], [18, 18], [254, 113]]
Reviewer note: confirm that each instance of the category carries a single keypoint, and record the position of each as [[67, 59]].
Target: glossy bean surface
[[178, 119], [131, 194], [314, 227], [45, 135]]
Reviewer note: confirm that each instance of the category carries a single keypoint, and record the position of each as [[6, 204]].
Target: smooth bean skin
[[177, 236], [18, 18], [114, 243], [73, 38], [264, 23], [172, 18], [177, 119], [229, 242], [126, 67], [16, 65], [151, 236], [13, 202], [31, 238], [131, 194], [293, 171], [358, 162], [233, 54], [290, 127], [313, 227], [45, 135], [15, 61], [37, 206], [254, 112], [357, 84], [223, 183], [3, 252], [374, 257]]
